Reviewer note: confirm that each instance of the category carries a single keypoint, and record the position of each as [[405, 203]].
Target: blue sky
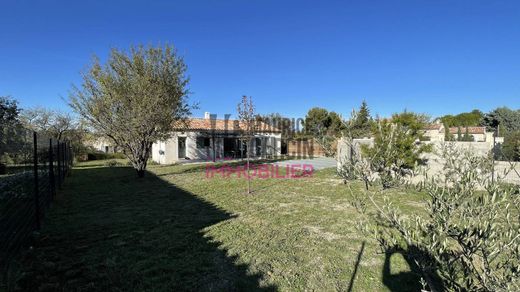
[[430, 56]]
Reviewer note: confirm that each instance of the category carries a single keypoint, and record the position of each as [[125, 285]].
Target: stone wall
[[435, 162]]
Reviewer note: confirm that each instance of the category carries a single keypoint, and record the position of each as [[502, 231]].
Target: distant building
[[436, 132], [102, 144]]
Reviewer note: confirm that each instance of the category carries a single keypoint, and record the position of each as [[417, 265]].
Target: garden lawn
[[177, 230]]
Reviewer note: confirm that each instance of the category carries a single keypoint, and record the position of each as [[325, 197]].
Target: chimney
[[207, 115]]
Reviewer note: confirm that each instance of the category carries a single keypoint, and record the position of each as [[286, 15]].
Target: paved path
[[317, 163]]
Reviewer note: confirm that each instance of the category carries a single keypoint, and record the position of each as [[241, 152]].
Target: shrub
[[104, 156], [113, 163], [469, 235], [396, 151], [511, 147]]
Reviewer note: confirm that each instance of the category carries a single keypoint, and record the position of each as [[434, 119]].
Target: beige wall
[[102, 145], [435, 162]]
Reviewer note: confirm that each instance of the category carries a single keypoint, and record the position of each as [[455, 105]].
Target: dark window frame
[[202, 142]]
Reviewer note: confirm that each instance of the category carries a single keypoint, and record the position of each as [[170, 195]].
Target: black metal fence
[[32, 167]]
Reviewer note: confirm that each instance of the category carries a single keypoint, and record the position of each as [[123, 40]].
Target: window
[[202, 142]]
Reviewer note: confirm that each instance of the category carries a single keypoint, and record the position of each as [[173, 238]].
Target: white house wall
[[166, 152]]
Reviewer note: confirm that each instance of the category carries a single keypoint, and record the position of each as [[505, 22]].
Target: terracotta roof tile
[[433, 127], [471, 130], [199, 124]]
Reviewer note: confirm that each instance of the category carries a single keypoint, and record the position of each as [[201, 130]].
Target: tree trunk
[[139, 159]]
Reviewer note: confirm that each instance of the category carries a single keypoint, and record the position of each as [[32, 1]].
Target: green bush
[[104, 156], [113, 163]]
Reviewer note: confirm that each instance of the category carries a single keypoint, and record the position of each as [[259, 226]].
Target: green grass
[[177, 230]]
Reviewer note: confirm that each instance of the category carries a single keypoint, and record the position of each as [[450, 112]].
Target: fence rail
[[31, 169]]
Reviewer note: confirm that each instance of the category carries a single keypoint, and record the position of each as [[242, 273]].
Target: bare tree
[[248, 126], [52, 122]]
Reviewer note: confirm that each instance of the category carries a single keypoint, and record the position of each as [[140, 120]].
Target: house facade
[[102, 144], [210, 139], [437, 133]]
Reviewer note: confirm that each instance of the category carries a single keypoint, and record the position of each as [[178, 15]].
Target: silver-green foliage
[[134, 98], [468, 234]]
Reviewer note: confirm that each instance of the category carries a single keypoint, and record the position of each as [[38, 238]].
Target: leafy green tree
[[413, 123], [9, 111], [324, 127], [467, 137], [336, 124], [506, 119], [396, 151], [510, 149], [134, 98], [12, 133], [469, 119], [317, 121], [447, 135], [361, 125]]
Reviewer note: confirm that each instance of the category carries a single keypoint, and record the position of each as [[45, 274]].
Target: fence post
[[64, 151], [68, 158], [36, 186], [58, 158], [52, 181], [71, 156]]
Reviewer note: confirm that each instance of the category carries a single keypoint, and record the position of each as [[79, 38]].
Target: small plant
[[113, 163], [247, 117]]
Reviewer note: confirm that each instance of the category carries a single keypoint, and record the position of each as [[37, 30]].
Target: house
[[478, 134], [436, 132], [102, 144], [212, 139]]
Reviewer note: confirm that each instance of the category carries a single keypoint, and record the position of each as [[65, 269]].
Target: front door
[[182, 147], [258, 144]]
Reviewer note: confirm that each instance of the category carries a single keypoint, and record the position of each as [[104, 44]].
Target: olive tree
[[396, 151], [134, 98], [467, 234]]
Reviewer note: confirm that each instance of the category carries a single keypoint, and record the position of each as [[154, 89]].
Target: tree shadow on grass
[[111, 231], [410, 280], [358, 262]]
